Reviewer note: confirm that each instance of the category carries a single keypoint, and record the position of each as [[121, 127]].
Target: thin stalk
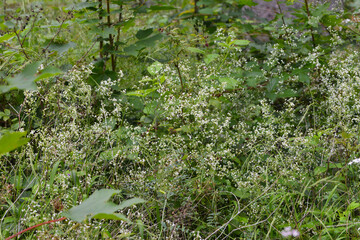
[[282, 16], [311, 28], [118, 31], [100, 18], [111, 40], [226, 56], [179, 73]]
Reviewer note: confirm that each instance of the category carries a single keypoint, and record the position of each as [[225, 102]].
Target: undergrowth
[[224, 134]]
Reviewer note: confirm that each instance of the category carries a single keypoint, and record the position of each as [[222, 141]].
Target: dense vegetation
[[205, 120]]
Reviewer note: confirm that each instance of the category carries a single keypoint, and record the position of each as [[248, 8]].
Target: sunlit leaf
[[98, 205], [11, 141]]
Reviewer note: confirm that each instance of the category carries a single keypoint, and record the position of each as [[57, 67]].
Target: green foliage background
[[226, 125]]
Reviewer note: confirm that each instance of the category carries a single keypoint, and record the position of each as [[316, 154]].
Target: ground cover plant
[[179, 120]]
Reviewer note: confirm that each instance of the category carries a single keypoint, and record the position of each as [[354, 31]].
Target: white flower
[[356, 160], [288, 232]]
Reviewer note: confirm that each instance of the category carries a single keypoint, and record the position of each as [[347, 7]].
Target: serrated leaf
[[97, 205], [11, 141]]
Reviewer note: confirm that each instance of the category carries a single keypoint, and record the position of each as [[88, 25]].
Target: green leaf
[[48, 72], [246, 2], [141, 34], [240, 42], [11, 141], [154, 68], [353, 205], [195, 50], [231, 83], [98, 205], [61, 47], [207, 11], [53, 173], [111, 216], [161, 8], [25, 79], [210, 57], [82, 5], [319, 170], [6, 37]]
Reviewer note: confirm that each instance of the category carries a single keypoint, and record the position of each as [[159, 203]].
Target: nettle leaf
[[98, 206], [11, 141]]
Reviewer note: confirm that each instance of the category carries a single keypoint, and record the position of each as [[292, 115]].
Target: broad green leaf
[[6, 37], [82, 5], [150, 41], [154, 68], [98, 205], [319, 170], [141, 93], [25, 79], [230, 83], [161, 8], [207, 11], [249, 3], [210, 57], [240, 42], [141, 34], [353, 205], [111, 216], [196, 50], [61, 47], [11, 141], [48, 72], [130, 202]]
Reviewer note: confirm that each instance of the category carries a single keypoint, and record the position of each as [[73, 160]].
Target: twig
[[86, 53], [111, 40], [21, 45], [311, 28], [35, 226], [179, 73], [57, 33]]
